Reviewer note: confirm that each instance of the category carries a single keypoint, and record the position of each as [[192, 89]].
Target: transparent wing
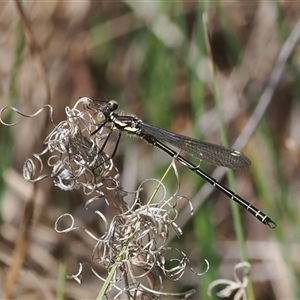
[[210, 153]]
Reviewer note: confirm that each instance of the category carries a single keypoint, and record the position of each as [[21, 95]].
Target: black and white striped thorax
[[128, 124]]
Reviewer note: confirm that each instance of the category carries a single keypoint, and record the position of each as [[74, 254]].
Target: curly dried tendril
[[24, 115]]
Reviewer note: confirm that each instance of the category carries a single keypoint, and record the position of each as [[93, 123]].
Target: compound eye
[[113, 105], [101, 117]]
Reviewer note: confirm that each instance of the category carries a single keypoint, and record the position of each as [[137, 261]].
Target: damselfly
[[207, 152]]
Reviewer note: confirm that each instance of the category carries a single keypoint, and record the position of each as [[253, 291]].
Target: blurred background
[[153, 57]]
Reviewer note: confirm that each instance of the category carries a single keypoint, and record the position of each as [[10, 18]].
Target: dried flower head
[[134, 244], [237, 286]]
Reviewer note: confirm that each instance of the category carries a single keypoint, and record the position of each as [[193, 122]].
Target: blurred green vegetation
[[153, 58]]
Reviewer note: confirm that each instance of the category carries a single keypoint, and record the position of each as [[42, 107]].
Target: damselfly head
[[106, 110], [102, 108], [113, 105]]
